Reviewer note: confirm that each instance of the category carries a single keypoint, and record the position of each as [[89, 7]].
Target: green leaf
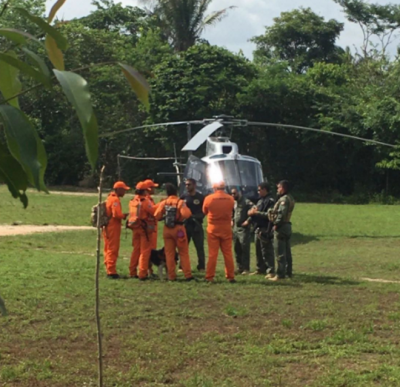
[[12, 174], [9, 82], [61, 41], [54, 9], [55, 54], [3, 309], [77, 91], [41, 65], [18, 37], [138, 83], [25, 145], [25, 68]]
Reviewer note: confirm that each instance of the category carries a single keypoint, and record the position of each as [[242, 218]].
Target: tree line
[[299, 76]]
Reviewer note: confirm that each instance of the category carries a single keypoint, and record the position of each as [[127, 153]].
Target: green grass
[[326, 327]]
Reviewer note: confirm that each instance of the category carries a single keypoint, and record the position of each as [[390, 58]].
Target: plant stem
[[97, 291]]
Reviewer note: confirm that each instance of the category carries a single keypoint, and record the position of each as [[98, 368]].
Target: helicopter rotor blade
[[321, 131], [202, 136], [111, 134]]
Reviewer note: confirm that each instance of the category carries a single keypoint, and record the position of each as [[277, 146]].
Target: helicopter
[[222, 161]]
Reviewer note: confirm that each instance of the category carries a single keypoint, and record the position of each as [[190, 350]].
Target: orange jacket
[[114, 209], [218, 206], [183, 211]]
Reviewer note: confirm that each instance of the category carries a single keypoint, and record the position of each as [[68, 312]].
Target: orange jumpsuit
[[219, 207], [112, 233], [141, 240], [175, 237], [153, 236]]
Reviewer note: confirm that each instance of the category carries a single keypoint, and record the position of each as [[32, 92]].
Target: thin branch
[[21, 93], [97, 287], [5, 8]]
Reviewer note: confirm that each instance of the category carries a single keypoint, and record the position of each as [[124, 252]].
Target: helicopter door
[[195, 169]]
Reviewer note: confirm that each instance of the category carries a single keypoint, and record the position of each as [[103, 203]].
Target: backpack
[[171, 212], [137, 215], [104, 218]]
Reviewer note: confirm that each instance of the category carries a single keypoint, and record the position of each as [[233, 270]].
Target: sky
[[247, 20]]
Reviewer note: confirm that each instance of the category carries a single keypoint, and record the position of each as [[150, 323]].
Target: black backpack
[[171, 213]]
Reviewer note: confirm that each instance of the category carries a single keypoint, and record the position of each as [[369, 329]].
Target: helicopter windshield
[[241, 173]]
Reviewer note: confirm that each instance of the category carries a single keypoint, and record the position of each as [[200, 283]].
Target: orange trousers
[[171, 243], [141, 254], [216, 242], [112, 236]]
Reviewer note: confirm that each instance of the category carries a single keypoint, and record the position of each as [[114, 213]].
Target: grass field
[[326, 327]]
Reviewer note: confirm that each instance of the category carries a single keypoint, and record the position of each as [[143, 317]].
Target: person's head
[[220, 186], [263, 189], [171, 189], [235, 194], [141, 189], [120, 188], [150, 185], [283, 187], [190, 185]]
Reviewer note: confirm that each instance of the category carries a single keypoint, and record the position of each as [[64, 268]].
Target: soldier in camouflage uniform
[[280, 216], [263, 232], [241, 231]]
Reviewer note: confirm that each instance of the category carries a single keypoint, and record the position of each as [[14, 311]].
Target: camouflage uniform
[[241, 235], [280, 216], [263, 241]]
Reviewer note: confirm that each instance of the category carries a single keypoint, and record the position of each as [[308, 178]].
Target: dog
[[157, 258]]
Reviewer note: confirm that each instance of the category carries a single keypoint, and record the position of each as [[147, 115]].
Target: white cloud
[[247, 20]]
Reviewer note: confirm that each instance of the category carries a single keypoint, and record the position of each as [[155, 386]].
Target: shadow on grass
[[322, 279], [300, 239]]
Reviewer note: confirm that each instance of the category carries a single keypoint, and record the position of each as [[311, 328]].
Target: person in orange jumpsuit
[[112, 232], [218, 207], [141, 221], [150, 187], [175, 212]]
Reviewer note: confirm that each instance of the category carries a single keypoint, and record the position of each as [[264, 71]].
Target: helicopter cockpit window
[[235, 173], [250, 173]]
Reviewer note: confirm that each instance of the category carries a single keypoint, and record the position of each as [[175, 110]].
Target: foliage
[[202, 82], [183, 21], [376, 21], [300, 38], [23, 146], [299, 76]]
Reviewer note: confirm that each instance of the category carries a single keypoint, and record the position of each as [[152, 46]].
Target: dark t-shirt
[[195, 204]]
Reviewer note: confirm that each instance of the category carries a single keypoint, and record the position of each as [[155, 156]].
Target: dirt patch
[[6, 230], [382, 281], [67, 193]]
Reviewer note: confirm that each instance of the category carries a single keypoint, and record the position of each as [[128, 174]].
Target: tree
[[115, 18], [300, 38], [13, 19], [183, 21], [376, 21], [107, 40], [23, 159]]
